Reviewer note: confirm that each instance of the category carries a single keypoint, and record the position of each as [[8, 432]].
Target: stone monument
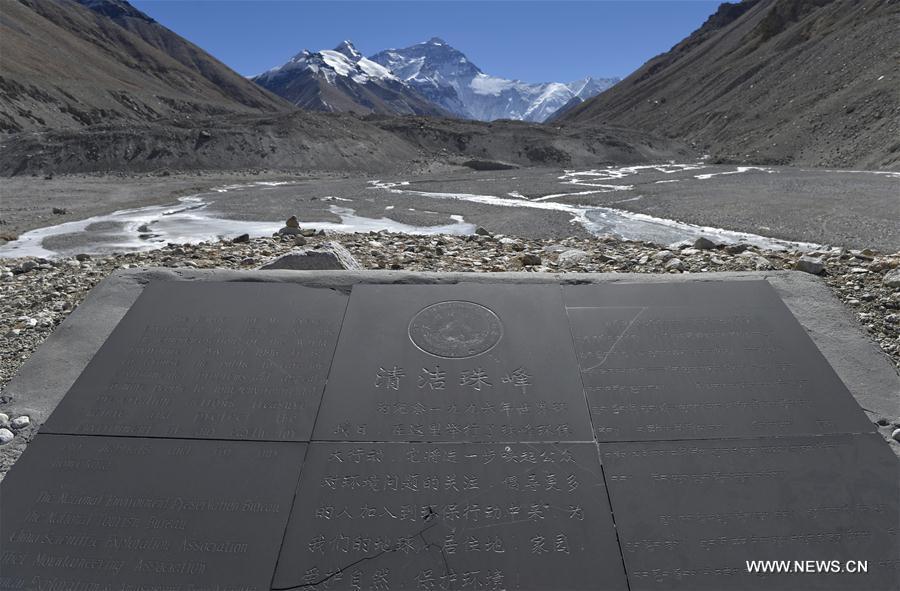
[[253, 435]]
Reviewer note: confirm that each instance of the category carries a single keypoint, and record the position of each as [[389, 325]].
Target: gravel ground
[[37, 294]]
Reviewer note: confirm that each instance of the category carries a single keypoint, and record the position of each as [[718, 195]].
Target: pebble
[[241, 238], [292, 222], [482, 231], [896, 435], [6, 436], [554, 249], [4, 419], [25, 267], [663, 255], [675, 264], [20, 422], [762, 263], [511, 244], [529, 260]]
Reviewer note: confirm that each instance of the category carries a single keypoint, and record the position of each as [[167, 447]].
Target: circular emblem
[[455, 329]]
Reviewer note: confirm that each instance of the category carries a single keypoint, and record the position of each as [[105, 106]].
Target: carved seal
[[455, 329]]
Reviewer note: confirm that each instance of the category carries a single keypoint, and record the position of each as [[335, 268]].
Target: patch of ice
[[738, 170], [121, 231], [350, 222], [588, 177], [226, 188], [601, 189], [192, 220], [606, 220]]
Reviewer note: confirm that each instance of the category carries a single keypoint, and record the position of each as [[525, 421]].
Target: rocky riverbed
[[37, 294]]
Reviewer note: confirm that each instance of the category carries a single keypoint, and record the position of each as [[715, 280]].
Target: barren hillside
[[63, 65], [810, 82]]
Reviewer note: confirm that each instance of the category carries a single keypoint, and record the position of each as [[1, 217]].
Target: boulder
[[736, 248], [703, 243], [20, 422], [811, 265], [330, 256], [572, 258], [511, 244], [892, 278], [528, 259]]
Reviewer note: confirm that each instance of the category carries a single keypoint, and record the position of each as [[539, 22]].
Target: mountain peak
[[445, 76], [347, 48]]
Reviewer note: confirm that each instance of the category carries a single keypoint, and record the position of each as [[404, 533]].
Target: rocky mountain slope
[[306, 141], [343, 80], [812, 82], [65, 65], [447, 77]]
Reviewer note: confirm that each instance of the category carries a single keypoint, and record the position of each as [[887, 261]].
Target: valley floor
[[774, 207]]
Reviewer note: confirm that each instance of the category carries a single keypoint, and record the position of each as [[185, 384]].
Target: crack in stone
[[616, 343], [420, 533]]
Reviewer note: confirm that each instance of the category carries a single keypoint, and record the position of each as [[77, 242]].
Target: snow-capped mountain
[[343, 80], [430, 78], [445, 76]]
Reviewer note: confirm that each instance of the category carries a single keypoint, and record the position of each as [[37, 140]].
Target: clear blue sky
[[531, 40]]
